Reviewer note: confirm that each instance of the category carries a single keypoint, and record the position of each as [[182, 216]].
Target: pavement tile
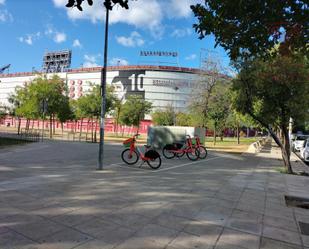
[[3, 229], [13, 240], [72, 218], [95, 244], [158, 234], [132, 221], [305, 239], [139, 243], [281, 234], [275, 244], [212, 215], [168, 220], [117, 236], [64, 239], [281, 223], [283, 212], [209, 231], [96, 227], [39, 229], [237, 238], [51, 211], [185, 240], [227, 246]]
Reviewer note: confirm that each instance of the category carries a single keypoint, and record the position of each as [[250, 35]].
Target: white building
[[161, 85]]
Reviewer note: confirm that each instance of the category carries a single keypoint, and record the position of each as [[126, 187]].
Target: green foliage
[[164, 117], [134, 110], [253, 28], [183, 119], [273, 91], [27, 102], [219, 105], [89, 105]]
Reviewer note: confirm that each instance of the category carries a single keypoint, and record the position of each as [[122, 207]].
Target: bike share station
[[167, 147]]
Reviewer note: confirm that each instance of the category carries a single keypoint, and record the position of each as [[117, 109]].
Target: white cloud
[[60, 37], [134, 40], [118, 62], [179, 8], [138, 15], [2, 2], [30, 38], [147, 16], [91, 60], [54, 34], [191, 57], [5, 16], [77, 44], [178, 33]]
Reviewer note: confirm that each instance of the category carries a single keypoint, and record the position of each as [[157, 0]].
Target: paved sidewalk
[[51, 197]]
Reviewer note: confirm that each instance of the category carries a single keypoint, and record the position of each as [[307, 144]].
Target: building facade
[[161, 85]]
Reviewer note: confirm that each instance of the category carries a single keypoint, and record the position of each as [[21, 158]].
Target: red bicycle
[[201, 149], [132, 154], [177, 149]]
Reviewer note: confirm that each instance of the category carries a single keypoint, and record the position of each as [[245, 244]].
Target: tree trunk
[[18, 126], [87, 130], [54, 130], [238, 140], [285, 152], [95, 129], [92, 134], [215, 135], [80, 129], [50, 126], [62, 129]]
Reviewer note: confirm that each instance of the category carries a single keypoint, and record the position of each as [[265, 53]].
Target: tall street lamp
[[109, 4]]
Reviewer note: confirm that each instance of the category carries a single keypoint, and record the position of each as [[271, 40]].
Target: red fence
[[84, 125]]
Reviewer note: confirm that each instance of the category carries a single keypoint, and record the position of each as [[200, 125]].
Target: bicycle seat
[[147, 146]]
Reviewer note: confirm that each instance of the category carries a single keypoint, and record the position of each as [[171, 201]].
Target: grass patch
[[282, 170], [10, 142], [229, 144]]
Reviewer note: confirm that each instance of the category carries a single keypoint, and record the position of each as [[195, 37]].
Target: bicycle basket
[[127, 142], [152, 154]]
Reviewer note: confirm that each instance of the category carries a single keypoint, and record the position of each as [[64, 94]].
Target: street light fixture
[[109, 4]]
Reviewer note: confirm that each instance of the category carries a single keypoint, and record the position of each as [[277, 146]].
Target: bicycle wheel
[[167, 153], [193, 155], [180, 154], [154, 163], [129, 159], [202, 152]]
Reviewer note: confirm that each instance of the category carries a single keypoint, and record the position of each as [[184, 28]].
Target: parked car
[[304, 151], [298, 142]]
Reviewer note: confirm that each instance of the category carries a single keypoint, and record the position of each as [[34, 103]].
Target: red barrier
[[85, 124]]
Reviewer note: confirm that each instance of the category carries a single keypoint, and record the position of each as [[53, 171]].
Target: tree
[[211, 74], [273, 91], [253, 28], [134, 110], [89, 105], [28, 101], [164, 117], [219, 108]]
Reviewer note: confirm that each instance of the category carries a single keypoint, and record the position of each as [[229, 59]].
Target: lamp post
[[103, 94], [109, 4]]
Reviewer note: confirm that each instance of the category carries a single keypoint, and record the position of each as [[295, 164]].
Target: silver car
[[304, 151], [298, 142]]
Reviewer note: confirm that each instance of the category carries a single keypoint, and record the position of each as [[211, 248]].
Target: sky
[[29, 28]]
